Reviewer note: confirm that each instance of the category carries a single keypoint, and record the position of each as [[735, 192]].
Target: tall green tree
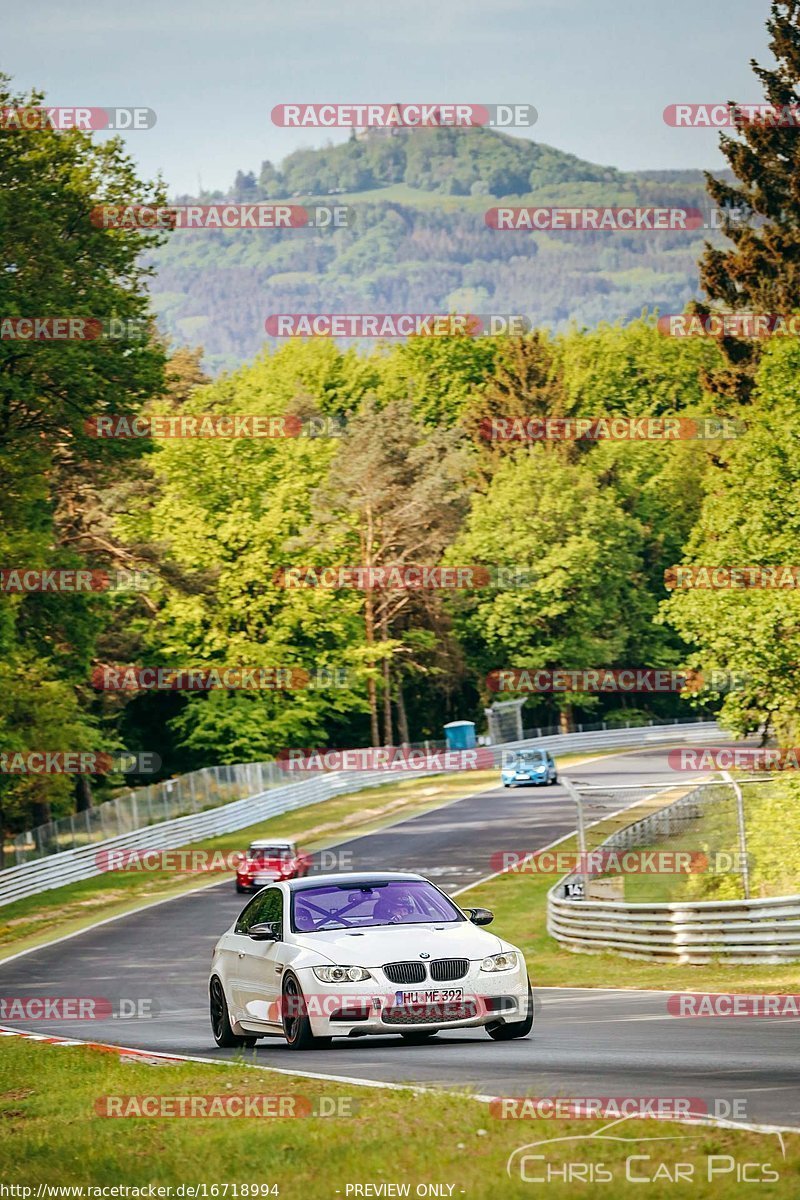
[[761, 271], [57, 263], [395, 495], [224, 513], [751, 517], [579, 602]]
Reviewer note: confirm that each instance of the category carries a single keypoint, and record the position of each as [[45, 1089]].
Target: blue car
[[529, 766]]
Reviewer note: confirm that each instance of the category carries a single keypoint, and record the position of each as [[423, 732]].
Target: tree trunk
[[565, 718], [367, 542], [388, 732], [372, 695], [40, 812], [83, 793], [402, 717]]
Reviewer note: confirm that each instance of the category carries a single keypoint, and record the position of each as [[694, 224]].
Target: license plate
[[264, 878], [434, 996]]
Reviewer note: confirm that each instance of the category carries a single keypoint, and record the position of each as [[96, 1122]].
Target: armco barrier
[[69, 866], [696, 932]]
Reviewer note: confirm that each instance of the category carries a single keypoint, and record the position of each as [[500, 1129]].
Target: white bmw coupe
[[352, 954]]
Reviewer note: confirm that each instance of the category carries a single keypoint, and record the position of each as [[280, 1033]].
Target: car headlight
[[506, 961], [341, 974]]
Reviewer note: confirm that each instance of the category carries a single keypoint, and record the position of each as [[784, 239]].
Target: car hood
[[394, 943]]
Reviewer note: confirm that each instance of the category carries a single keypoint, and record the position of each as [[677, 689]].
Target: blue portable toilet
[[460, 735]]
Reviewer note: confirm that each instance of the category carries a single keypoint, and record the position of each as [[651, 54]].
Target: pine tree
[[761, 271]]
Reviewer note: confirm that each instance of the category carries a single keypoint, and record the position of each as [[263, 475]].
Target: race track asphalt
[[610, 1043]]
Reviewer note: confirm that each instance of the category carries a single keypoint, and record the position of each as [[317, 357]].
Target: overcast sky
[[599, 72]]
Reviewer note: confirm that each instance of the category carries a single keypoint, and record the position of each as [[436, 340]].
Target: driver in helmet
[[395, 908]]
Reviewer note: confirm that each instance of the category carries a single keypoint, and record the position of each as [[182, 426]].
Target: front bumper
[[373, 1008]]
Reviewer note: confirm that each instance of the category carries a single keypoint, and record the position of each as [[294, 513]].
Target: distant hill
[[450, 162], [419, 242]]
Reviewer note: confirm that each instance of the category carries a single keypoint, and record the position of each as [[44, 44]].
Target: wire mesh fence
[[198, 791], [191, 793], [194, 792], [714, 840], [537, 731]]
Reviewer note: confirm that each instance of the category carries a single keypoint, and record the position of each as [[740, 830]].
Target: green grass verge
[[37, 919], [772, 823], [55, 1136], [519, 902]]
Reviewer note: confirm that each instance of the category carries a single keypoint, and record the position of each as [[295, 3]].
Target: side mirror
[[480, 916], [264, 931]]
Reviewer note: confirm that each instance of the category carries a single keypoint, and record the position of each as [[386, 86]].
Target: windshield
[[264, 852], [350, 906], [533, 758]]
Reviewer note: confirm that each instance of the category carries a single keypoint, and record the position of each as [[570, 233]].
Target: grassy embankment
[[55, 1136], [519, 900]]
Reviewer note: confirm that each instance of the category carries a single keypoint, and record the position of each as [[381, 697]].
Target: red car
[[266, 861]]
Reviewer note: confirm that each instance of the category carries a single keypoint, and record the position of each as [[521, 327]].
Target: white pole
[[726, 775], [576, 796]]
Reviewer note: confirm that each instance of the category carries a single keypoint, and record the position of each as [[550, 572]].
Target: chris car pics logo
[[576, 1160]]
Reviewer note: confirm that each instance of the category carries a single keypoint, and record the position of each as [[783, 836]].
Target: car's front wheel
[[296, 1023], [220, 1019], [506, 1031]]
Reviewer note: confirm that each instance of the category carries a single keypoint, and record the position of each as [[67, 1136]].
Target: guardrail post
[[726, 775], [576, 796]]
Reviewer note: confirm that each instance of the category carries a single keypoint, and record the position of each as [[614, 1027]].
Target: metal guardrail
[[86, 861], [196, 791], [90, 860], [692, 932]]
